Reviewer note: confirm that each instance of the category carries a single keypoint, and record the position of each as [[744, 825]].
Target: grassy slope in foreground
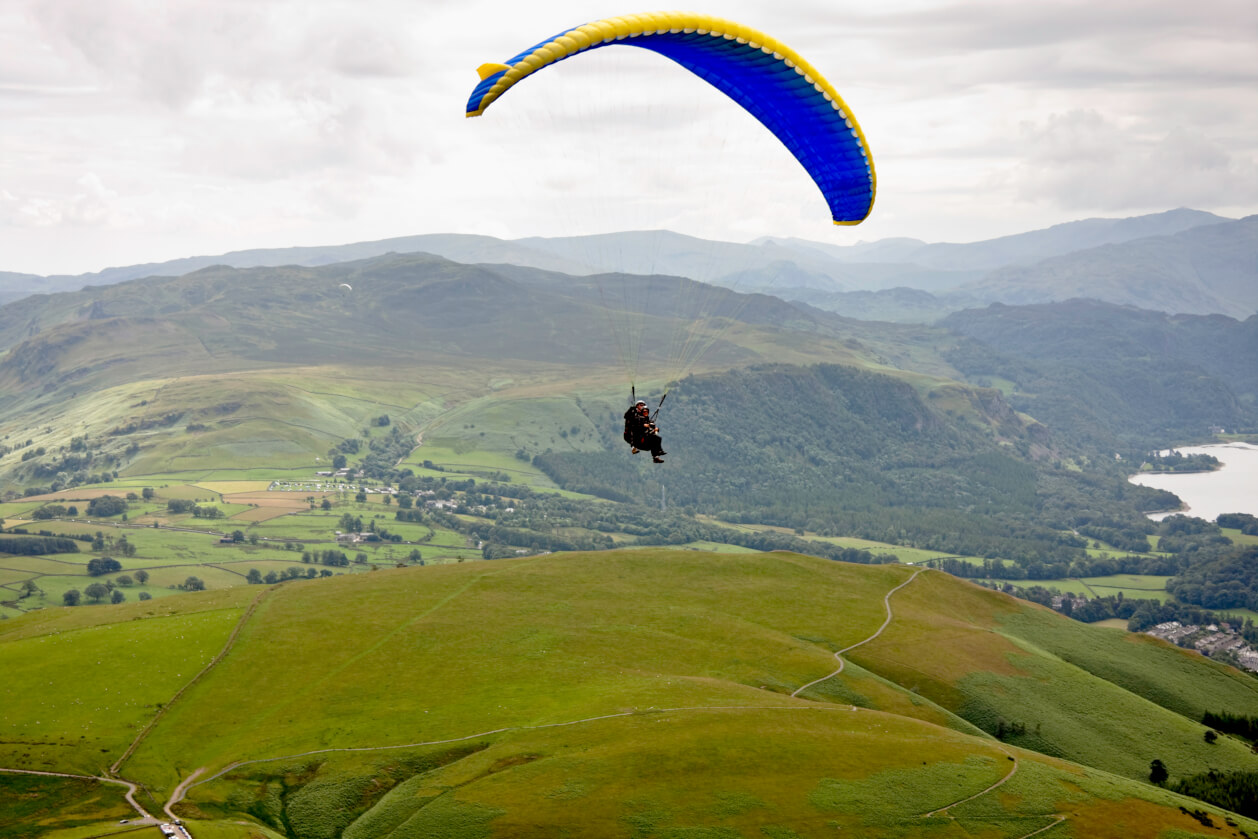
[[504, 654]]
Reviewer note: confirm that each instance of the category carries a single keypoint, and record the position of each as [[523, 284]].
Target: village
[[1216, 640]]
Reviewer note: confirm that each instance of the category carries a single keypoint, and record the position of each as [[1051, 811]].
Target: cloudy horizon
[[138, 131]]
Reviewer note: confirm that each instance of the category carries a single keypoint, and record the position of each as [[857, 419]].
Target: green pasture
[[528, 641], [1230, 532], [108, 681], [907, 556], [509, 422], [1140, 586], [461, 459], [35, 565], [1148, 586]]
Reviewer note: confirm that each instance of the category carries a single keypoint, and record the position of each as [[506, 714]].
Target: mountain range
[[1180, 262]]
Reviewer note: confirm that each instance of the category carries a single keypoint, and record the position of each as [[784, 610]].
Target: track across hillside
[[227, 647], [886, 601]]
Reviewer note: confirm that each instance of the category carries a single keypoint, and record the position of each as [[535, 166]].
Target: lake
[[1232, 489]]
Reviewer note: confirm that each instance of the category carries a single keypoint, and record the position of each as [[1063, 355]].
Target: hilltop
[[624, 693]]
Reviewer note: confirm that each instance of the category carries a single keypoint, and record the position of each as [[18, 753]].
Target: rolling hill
[[633, 693]]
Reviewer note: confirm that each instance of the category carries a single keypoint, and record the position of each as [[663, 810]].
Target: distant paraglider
[[347, 286]]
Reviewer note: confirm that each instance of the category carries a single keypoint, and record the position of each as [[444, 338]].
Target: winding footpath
[[886, 602]]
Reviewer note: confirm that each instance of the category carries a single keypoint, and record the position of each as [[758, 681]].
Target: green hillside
[[631, 693]]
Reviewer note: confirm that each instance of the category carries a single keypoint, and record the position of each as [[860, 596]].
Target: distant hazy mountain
[[1205, 270], [1019, 249], [1151, 261], [16, 286]]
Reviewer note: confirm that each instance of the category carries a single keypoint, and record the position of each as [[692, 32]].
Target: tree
[[238, 536], [1157, 772], [117, 596], [142, 576], [125, 580], [125, 547], [361, 497], [1211, 736], [272, 577], [96, 592], [147, 493], [254, 577], [106, 506], [339, 461], [144, 595], [28, 588], [326, 504], [71, 597], [193, 584], [103, 565]]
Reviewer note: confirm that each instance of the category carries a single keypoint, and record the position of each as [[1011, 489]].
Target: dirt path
[[177, 795], [227, 647], [1012, 771], [132, 789], [886, 601]]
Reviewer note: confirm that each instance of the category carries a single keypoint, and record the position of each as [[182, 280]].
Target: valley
[[298, 561]]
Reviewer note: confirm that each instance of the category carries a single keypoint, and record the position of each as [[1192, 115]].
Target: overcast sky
[[142, 130]]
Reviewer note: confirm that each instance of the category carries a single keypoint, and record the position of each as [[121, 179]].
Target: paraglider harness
[[640, 429]]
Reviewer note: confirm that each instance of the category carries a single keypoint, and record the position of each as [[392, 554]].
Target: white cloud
[[1082, 161], [198, 126]]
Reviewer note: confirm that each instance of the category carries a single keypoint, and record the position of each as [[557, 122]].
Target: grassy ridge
[[555, 676], [1107, 700]]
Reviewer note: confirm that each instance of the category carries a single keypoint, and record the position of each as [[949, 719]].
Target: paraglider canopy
[[347, 286], [767, 78]]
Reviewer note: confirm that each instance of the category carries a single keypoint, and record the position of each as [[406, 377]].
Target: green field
[[627, 693]]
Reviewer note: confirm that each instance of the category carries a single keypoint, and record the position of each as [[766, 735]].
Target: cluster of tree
[[1086, 566], [179, 506], [1229, 723], [97, 566], [54, 511], [255, 577], [106, 506], [1236, 791], [22, 545], [1224, 579], [162, 421], [330, 557], [1243, 522], [1175, 461], [384, 453]]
